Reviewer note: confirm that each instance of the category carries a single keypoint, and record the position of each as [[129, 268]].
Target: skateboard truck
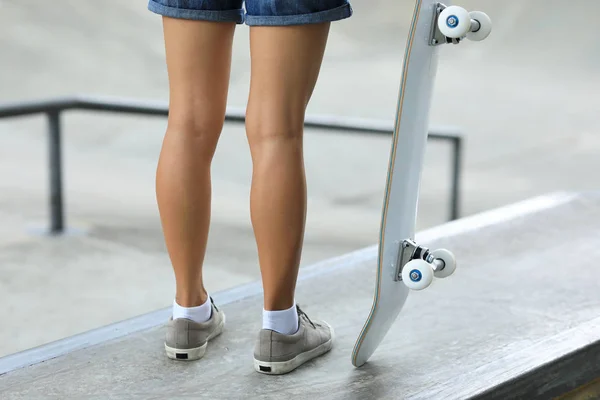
[[417, 265], [451, 24]]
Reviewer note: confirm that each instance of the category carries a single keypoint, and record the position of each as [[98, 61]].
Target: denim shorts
[[257, 12]]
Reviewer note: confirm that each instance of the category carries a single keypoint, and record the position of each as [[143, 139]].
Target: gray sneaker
[[187, 340], [275, 353]]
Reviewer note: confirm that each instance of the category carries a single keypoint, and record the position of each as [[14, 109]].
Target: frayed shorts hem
[[238, 16]]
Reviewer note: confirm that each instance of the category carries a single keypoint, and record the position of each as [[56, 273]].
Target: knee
[[265, 126], [199, 131]]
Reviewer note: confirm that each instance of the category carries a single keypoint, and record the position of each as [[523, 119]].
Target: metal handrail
[[54, 107]]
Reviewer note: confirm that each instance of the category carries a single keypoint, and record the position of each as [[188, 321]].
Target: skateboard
[[402, 264]]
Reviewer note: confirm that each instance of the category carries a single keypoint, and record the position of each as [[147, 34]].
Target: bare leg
[[285, 66], [198, 61]]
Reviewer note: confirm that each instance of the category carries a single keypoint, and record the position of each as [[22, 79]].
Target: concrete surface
[[525, 295], [525, 98]]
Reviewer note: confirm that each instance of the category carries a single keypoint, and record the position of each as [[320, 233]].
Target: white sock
[[283, 321], [201, 313]]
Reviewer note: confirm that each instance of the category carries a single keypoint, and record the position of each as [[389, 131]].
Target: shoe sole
[[283, 367], [195, 353]]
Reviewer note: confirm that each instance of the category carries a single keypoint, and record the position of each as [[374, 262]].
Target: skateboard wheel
[[417, 274], [485, 26], [454, 22], [449, 262]]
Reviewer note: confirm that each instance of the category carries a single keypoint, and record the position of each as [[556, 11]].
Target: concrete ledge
[[551, 367], [156, 318], [504, 326]]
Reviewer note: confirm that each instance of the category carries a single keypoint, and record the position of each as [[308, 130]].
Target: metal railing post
[[55, 164], [456, 168]]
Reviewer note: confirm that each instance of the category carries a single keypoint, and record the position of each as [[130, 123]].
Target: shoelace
[[303, 314]]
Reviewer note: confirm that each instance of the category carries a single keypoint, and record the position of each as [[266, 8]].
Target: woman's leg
[[285, 64], [198, 62]]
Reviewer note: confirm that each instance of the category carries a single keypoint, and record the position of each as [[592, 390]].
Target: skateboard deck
[[402, 264]]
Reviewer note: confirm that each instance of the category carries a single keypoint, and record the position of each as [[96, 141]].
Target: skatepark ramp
[[520, 318]]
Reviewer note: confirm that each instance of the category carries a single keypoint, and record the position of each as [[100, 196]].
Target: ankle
[[191, 299], [278, 303], [200, 313]]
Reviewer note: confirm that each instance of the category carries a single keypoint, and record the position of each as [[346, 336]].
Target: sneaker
[[276, 354], [187, 340]]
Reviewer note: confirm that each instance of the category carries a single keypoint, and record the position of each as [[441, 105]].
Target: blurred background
[[526, 100]]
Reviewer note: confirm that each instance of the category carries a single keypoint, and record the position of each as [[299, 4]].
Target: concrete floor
[[525, 99], [508, 310]]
